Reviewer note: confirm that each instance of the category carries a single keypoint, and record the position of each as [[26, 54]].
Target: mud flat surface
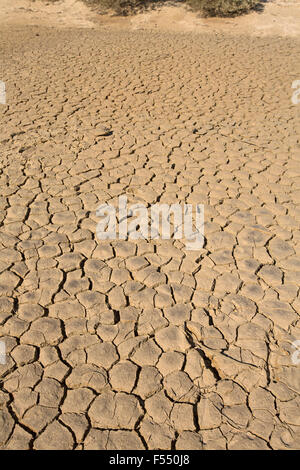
[[143, 344]]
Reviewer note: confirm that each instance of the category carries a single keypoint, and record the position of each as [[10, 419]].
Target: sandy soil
[[142, 344], [65, 13], [276, 19]]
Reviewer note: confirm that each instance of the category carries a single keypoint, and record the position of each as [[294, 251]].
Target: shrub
[[120, 7], [223, 7], [208, 7]]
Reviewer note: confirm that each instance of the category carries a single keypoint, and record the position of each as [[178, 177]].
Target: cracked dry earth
[[143, 344]]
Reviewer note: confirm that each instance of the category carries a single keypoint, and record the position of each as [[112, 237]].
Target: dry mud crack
[[144, 344]]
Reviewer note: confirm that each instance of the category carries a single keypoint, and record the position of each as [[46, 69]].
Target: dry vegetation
[[223, 7], [120, 7], [207, 7]]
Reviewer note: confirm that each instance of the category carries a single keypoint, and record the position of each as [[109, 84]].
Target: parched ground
[[145, 345]]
